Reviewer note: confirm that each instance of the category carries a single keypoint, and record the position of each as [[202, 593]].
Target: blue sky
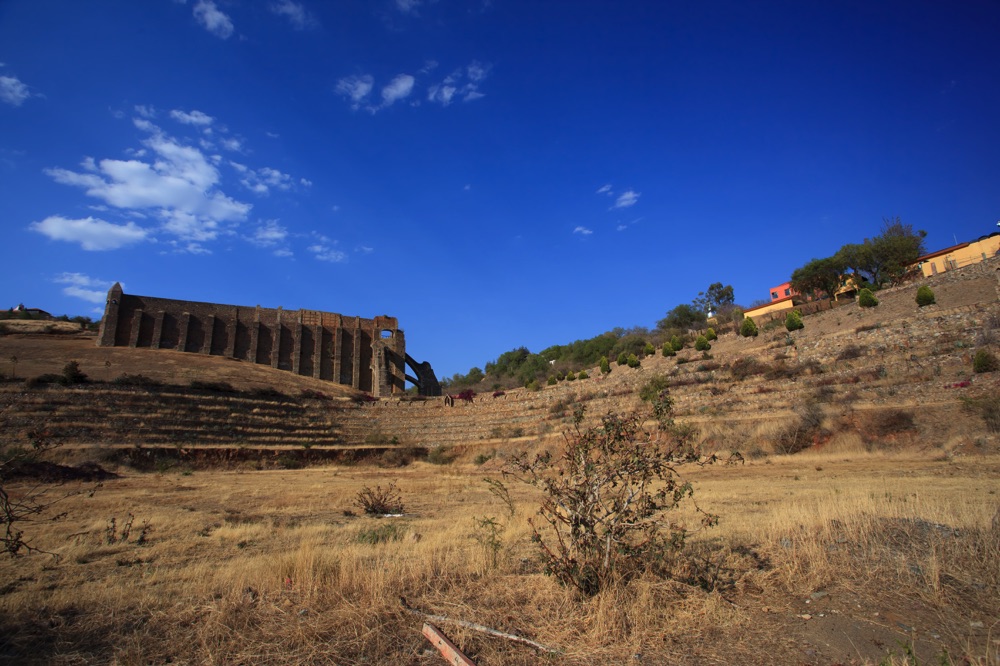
[[494, 173]]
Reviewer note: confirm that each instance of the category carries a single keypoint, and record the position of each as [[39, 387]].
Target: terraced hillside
[[896, 375]]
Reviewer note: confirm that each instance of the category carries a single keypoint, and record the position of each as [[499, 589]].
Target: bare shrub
[[987, 408], [885, 423], [607, 499], [801, 433], [380, 501], [850, 352], [744, 368]]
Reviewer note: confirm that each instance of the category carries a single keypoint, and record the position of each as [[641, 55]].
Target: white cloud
[[583, 231], [213, 19], [295, 13], [408, 6], [324, 251], [605, 189], [305, 182], [91, 233], [399, 88], [626, 199], [178, 184], [262, 180], [269, 234], [356, 88], [145, 111], [233, 144], [194, 118], [364, 249], [463, 83], [84, 287], [12, 91]]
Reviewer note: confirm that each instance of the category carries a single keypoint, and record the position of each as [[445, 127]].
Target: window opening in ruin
[[386, 334]]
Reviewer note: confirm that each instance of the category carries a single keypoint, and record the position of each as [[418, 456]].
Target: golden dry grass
[[266, 567]]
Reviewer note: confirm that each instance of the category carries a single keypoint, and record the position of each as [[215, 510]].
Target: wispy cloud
[[627, 199], [461, 84], [356, 89], [325, 249], [197, 118], [605, 189], [296, 14], [399, 88], [583, 231], [84, 287], [13, 91], [213, 19], [407, 6], [91, 233], [261, 181]]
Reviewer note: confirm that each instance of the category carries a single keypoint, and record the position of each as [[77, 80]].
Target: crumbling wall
[[366, 354]]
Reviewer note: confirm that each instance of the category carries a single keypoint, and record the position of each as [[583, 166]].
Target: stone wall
[[366, 354]]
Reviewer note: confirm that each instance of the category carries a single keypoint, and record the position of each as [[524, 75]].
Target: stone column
[[206, 347], [157, 330], [133, 340], [185, 328]]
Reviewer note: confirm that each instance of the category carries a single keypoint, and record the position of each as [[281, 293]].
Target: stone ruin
[[365, 354]]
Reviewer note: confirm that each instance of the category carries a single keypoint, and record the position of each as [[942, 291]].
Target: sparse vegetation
[[380, 501], [985, 361]]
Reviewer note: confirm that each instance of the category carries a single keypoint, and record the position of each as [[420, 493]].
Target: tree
[[819, 277], [793, 321], [682, 317], [607, 500], [887, 257], [866, 298], [748, 329], [605, 366], [925, 296], [702, 344], [717, 299]]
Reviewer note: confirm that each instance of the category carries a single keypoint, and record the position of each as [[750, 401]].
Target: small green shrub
[[533, 385], [552, 381], [605, 365], [72, 374], [571, 376], [793, 321], [632, 361], [649, 349], [676, 343], [866, 298], [668, 351], [985, 361], [748, 329], [583, 375], [925, 296], [710, 335], [702, 344], [622, 358]]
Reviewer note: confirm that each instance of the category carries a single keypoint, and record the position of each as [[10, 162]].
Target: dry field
[[833, 558]]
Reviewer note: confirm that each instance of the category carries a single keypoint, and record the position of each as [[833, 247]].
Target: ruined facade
[[366, 354]]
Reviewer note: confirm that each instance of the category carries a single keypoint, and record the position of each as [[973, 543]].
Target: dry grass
[[265, 567]]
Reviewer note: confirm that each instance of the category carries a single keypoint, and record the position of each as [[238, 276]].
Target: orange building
[[783, 291]]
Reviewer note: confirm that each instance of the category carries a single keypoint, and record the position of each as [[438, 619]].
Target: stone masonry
[[366, 354]]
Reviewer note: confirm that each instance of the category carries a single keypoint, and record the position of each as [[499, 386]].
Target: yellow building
[[768, 308], [959, 256]]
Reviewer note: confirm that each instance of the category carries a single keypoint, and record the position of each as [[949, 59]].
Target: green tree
[[702, 344], [676, 343], [819, 277], [793, 321], [710, 335], [682, 317], [717, 299], [605, 365], [748, 329], [888, 256], [668, 349]]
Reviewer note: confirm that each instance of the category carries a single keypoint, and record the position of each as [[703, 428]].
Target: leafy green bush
[[676, 343], [583, 375], [985, 361], [748, 329], [571, 376], [925, 296], [605, 365], [711, 335], [702, 344], [622, 358], [649, 349], [668, 350], [632, 361], [793, 321], [533, 385], [866, 298], [552, 381]]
